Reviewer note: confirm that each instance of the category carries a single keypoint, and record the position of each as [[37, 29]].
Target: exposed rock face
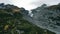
[[14, 20], [48, 16], [23, 11], [12, 8]]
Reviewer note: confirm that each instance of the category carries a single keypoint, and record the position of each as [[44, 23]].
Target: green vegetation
[[13, 23]]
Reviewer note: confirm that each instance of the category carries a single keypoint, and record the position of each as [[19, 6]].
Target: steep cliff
[[48, 17]]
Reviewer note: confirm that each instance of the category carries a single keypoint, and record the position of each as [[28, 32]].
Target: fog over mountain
[[5, 1], [30, 4]]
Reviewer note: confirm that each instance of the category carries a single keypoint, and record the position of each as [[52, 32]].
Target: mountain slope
[[12, 21], [48, 17]]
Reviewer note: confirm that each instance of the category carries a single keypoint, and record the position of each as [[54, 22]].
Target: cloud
[[30, 4], [48, 2], [24, 3], [5, 1]]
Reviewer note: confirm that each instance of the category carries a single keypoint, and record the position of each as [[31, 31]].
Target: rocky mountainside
[[12, 21], [48, 17]]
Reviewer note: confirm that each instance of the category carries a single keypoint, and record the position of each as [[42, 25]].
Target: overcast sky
[[30, 4]]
